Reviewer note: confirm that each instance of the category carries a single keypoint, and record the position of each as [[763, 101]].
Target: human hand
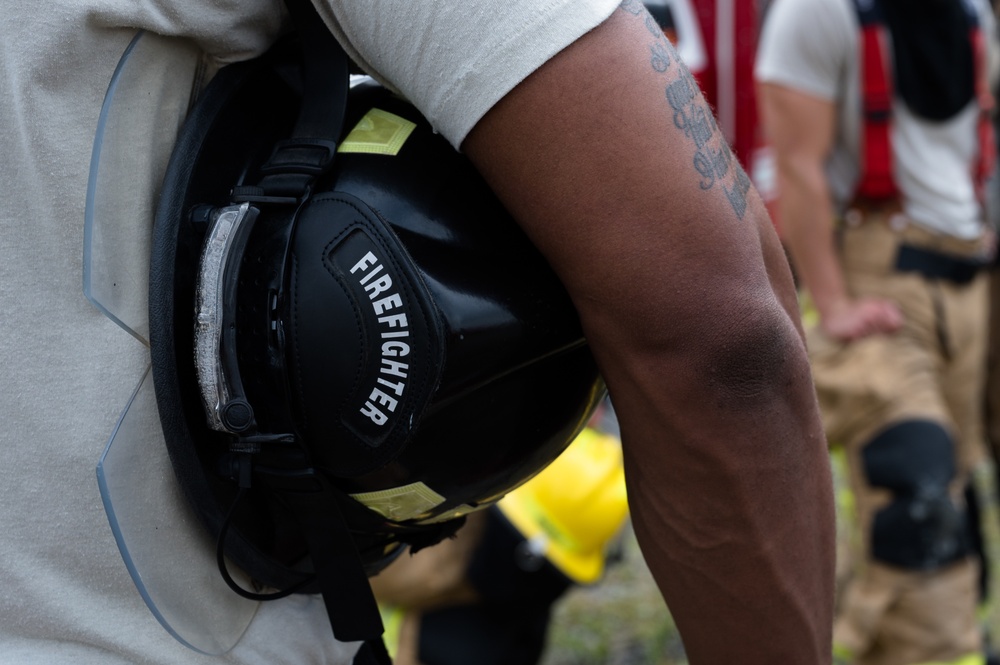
[[851, 320]]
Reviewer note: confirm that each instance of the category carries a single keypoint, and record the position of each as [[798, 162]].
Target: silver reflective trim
[[225, 228]]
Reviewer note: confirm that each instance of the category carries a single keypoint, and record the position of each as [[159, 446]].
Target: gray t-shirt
[[68, 370], [812, 46]]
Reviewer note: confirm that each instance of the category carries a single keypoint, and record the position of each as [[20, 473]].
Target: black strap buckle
[[304, 156], [288, 174]]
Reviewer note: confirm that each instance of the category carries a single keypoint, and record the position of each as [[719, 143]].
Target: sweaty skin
[[611, 162]]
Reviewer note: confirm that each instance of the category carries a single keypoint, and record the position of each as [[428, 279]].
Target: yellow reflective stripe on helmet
[[378, 132], [401, 503], [454, 513]]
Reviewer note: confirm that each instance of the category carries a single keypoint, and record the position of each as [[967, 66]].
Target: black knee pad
[[922, 529]]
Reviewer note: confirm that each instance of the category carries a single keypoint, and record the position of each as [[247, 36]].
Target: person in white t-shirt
[[880, 208], [591, 131]]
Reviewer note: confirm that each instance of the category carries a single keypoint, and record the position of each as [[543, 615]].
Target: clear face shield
[[168, 553]]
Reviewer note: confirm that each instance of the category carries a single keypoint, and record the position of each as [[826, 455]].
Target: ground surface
[[624, 621]]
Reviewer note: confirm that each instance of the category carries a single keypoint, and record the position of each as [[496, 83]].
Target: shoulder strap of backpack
[[876, 181]]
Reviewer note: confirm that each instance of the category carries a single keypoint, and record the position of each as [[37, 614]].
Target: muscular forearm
[[801, 128], [806, 215], [727, 471], [730, 493], [726, 466], [809, 235], [612, 165]]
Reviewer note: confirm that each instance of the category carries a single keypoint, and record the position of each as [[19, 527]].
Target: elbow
[[753, 356], [724, 348]]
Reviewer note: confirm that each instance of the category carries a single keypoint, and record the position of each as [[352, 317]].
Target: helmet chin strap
[[338, 570], [309, 152], [347, 596]]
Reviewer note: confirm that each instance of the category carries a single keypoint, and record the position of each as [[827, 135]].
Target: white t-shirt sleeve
[[455, 60], [803, 45]]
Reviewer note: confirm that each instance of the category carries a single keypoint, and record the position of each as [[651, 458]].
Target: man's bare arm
[[610, 160], [800, 129]]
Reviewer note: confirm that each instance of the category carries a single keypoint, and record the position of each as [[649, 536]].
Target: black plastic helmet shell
[[496, 379]]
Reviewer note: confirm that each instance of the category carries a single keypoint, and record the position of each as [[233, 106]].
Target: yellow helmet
[[574, 507]]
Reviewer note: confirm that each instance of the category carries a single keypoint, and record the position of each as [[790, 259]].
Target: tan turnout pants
[[932, 369]]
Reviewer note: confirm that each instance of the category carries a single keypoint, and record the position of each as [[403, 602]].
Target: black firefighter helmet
[[353, 344]]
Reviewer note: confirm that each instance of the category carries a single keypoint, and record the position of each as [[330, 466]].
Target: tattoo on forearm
[[661, 58], [713, 159]]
